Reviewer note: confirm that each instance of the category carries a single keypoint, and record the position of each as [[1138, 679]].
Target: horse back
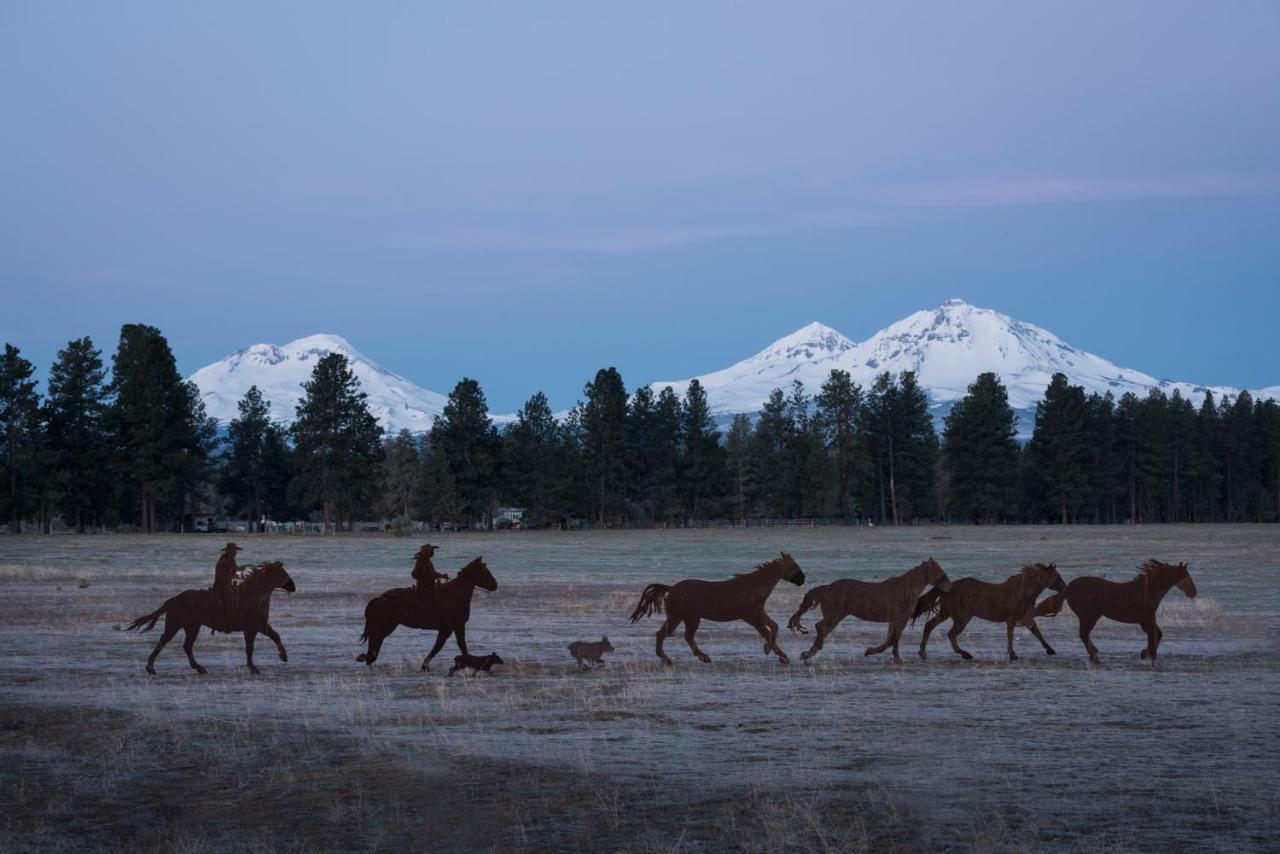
[[989, 600], [874, 601], [1089, 595], [718, 601]]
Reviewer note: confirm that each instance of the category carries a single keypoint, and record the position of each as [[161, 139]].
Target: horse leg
[[895, 635], [460, 637], [170, 629], [691, 626], [934, 621], [767, 629], [441, 637], [663, 633], [1013, 656], [189, 645], [1153, 638], [249, 636], [821, 629], [957, 626], [1035, 630], [275, 638], [1086, 626]]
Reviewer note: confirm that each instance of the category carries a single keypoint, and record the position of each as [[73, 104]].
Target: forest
[[133, 449]]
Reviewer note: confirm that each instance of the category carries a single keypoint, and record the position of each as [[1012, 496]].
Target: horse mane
[[257, 576], [768, 564], [1156, 568]]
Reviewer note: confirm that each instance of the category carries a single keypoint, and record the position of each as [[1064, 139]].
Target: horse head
[[477, 574], [279, 578], [791, 570], [1184, 582], [934, 575], [1044, 576]]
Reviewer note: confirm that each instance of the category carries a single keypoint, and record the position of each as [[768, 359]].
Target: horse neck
[[1155, 585], [770, 574], [917, 577]]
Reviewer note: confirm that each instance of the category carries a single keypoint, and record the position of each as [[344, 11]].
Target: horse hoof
[[151, 670], [704, 658], [202, 671], [284, 657], [362, 657], [966, 656], [924, 656], [870, 651], [1146, 654], [1049, 651], [1013, 657]]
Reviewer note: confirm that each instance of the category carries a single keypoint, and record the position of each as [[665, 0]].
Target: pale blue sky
[[526, 192]]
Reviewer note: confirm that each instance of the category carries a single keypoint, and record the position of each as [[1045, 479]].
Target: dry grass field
[[844, 754]]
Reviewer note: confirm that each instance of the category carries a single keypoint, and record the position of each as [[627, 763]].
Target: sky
[[524, 193]]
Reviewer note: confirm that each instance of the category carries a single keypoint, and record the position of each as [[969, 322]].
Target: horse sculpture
[[889, 601], [191, 609], [741, 597], [446, 611], [1011, 602], [1133, 601]]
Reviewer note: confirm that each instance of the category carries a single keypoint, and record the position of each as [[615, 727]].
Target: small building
[[508, 517]]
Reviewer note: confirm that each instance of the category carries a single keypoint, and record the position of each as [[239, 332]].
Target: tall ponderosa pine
[[532, 449], [337, 440], [245, 473], [158, 427], [839, 408], [401, 468], [702, 459], [740, 465], [1060, 447], [603, 416], [980, 452], [466, 435], [76, 433], [19, 418]]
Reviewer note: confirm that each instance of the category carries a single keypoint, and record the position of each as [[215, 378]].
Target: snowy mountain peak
[[814, 340], [280, 371], [947, 347]]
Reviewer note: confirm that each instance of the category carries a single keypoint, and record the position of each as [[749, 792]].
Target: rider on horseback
[[424, 572], [222, 573]]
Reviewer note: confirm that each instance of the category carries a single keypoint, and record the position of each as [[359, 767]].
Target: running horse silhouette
[[446, 611], [889, 601], [250, 613], [741, 597], [1133, 601], [1011, 602]]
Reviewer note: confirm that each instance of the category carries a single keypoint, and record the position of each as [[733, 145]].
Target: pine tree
[[839, 408], [466, 435], [532, 451], [1059, 449], [152, 420], [740, 465], [338, 442], [1206, 464], [401, 468], [244, 475], [77, 438], [604, 415], [702, 467], [1103, 456], [770, 443], [436, 498], [980, 452], [19, 415], [1127, 445]]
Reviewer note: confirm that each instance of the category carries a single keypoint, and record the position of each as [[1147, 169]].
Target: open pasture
[[844, 753]]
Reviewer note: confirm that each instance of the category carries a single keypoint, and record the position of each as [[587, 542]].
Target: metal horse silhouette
[[1136, 601], [889, 601], [1011, 602], [446, 610], [250, 613], [741, 597]]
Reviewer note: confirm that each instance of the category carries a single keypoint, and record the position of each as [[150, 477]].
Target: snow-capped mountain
[[947, 347], [279, 373]]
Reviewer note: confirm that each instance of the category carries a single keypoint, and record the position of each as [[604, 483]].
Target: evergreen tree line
[[137, 449]]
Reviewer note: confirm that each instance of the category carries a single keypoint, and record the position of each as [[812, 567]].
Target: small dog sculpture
[[584, 652], [477, 663]]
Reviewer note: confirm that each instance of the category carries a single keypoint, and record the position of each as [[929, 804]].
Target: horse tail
[[652, 601], [149, 619], [1050, 606], [929, 603], [811, 600]]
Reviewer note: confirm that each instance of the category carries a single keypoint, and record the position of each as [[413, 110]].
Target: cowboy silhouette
[[222, 573], [424, 572]]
